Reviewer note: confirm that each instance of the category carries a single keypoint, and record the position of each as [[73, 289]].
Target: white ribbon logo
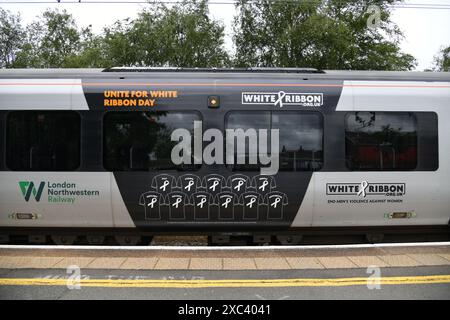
[[251, 202], [281, 96], [264, 185], [190, 184], [362, 189], [276, 202], [177, 202], [214, 184], [226, 202], [165, 185], [152, 202], [202, 201], [240, 183]]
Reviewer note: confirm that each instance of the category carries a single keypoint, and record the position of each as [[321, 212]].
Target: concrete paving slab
[[304, 263], [338, 252], [139, 263], [106, 263], [430, 259], [367, 261], [17, 262], [400, 260], [172, 263], [8, 262], [81, 262], [445, 256], [239, 264], [206, 264], [272, 264], [336, 262]]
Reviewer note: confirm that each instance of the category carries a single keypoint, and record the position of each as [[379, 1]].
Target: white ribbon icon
[[362, 189], [281, 96]]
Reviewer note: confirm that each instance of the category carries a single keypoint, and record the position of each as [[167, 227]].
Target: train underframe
[[291, 236]]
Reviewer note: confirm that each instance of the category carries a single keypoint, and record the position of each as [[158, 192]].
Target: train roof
[[220, 73]]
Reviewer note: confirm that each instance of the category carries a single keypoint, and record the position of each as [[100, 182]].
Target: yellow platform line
[[237, 283]]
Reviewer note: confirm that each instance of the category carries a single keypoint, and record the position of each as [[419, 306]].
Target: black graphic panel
[[174, 209]]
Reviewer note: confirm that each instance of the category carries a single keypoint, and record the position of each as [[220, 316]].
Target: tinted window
[[300, 137], [141, 141], [300, 140], [43, 140], [381, 141], [246, 121]]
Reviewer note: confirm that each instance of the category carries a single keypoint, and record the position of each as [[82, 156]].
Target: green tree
[[11, 37], [61, 38], [120, 44], [92, 52], [180, 36], [29, 54], [51, 42], [324, 34], [442, 60]]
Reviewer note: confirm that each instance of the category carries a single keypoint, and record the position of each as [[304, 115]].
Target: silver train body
[[345, 174]]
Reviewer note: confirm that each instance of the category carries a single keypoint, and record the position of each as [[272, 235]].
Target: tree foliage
[[324, 34], [51, 42], [181, 36], [442, 60], [11, 35]]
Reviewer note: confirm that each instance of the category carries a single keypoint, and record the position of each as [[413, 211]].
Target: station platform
[[386, 271], [225, 258]]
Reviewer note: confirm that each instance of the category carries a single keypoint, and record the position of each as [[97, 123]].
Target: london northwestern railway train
[[275, 155]]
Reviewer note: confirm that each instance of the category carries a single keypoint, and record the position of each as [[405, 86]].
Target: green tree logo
[[28, 188]]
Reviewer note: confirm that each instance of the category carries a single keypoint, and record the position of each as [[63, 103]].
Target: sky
[[426, 30]]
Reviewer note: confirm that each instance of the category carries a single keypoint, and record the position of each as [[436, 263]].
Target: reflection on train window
[[381, 141], [141, 141], [300, 138], [43, 140]]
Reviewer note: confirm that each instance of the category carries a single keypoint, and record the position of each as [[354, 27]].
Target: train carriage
[[272, 154]]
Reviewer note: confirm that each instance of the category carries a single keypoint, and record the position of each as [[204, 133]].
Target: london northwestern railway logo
[[281, 98], [55, 192], [28, 188], [364, 189]]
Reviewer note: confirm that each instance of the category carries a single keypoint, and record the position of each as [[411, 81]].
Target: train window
[[245, 121], [141, 141], [43, 140], [381, 141], [300, 138]]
